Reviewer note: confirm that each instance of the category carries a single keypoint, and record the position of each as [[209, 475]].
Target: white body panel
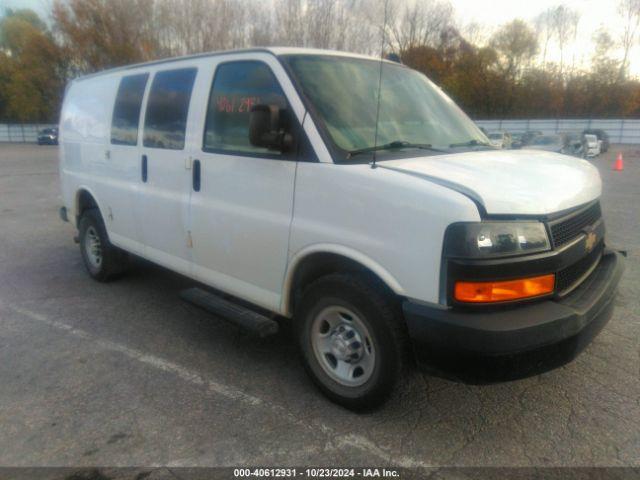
[[393, 223], [84, 139], [255, 220], [513, 182]]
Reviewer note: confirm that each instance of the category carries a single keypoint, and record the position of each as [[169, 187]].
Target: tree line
[[504, 74]]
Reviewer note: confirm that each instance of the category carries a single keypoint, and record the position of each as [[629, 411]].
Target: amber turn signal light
[[486, 292]]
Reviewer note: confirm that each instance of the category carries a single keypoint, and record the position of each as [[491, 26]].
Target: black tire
[[381, 315], [113, 261]]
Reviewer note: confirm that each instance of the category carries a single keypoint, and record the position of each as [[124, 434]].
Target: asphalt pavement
[[127, 374]]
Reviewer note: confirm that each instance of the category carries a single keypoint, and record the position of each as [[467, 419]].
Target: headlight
[[495, 239]]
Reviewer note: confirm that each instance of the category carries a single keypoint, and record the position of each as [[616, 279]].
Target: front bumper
[[518, 341]]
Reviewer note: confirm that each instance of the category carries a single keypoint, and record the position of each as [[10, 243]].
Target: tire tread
[[114, 260], [389, 311]]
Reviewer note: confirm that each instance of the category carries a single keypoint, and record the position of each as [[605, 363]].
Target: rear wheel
[[352, 340], [103, 261]]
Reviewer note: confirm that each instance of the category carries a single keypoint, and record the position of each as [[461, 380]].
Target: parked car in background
[[500, 139], [592, 146], [548, 143], [602, 136], [48, 136], [574, 143], [516, 140], [528, 136]]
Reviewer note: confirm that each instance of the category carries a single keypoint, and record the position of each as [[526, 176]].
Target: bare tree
[[320, 17], [517, 43], [476, 33], [629, 10], [261, 31], [418, 24], [565, 23], [192, 26], [575, 40], [362, 27], [291, 21], [604, 68], [544, 26]]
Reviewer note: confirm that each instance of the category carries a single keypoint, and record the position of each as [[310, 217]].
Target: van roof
[[276, 51]]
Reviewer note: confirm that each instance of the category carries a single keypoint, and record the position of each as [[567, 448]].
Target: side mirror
[[267, 128]]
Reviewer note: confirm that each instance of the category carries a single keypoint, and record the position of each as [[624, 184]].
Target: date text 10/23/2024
[[316, 472]]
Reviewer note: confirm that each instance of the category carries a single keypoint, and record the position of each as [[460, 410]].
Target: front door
[[242, 210]]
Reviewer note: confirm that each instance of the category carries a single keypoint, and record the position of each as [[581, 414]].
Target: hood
[[512, 182]]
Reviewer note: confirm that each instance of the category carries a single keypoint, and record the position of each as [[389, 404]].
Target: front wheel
[[352, 340]]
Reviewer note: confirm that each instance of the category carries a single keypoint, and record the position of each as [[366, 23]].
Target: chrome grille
[[567, 228]]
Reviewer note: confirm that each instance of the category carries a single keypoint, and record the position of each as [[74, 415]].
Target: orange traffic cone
[[618, 166]]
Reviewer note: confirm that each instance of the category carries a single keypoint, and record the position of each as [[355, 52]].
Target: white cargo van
[[390, 231]]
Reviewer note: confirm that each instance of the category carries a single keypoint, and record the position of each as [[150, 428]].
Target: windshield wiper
[[470, 143], [394, 146]]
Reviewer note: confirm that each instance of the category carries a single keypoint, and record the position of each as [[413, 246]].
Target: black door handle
[[144, 168], [196, 175]]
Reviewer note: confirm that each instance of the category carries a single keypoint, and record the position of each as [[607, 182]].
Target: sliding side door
[[165, 182]]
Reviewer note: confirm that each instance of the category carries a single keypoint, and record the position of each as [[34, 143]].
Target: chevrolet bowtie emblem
[[590, 241]]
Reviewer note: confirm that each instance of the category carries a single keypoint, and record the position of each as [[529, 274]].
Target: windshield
[[344, 94]]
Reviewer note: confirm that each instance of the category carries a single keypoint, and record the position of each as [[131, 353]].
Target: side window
[[126, 111], [237, 86], [167, 108]]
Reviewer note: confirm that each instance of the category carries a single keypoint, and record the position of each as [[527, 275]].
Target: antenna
[[384, 33]]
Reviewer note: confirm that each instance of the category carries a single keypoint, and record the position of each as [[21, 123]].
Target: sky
[[492, 14], [593, 14]]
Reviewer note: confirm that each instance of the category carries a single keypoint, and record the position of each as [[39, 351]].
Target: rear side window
[[167, 108], [237, 86], [126, 111]]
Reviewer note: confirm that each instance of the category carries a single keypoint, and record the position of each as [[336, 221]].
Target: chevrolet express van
[[349, 194]]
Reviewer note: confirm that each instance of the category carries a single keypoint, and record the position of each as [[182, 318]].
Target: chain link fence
[[22, 133], [619, 130]]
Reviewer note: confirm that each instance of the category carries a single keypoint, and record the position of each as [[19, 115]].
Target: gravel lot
[[126, 374]]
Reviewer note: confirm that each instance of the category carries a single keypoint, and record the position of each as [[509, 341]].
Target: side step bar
[[238, 315]]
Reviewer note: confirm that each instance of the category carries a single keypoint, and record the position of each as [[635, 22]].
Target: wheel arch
[[316, 261], [84, 200]]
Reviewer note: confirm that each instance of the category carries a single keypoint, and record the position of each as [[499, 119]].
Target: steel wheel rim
[[93, 247], [343, 346]]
